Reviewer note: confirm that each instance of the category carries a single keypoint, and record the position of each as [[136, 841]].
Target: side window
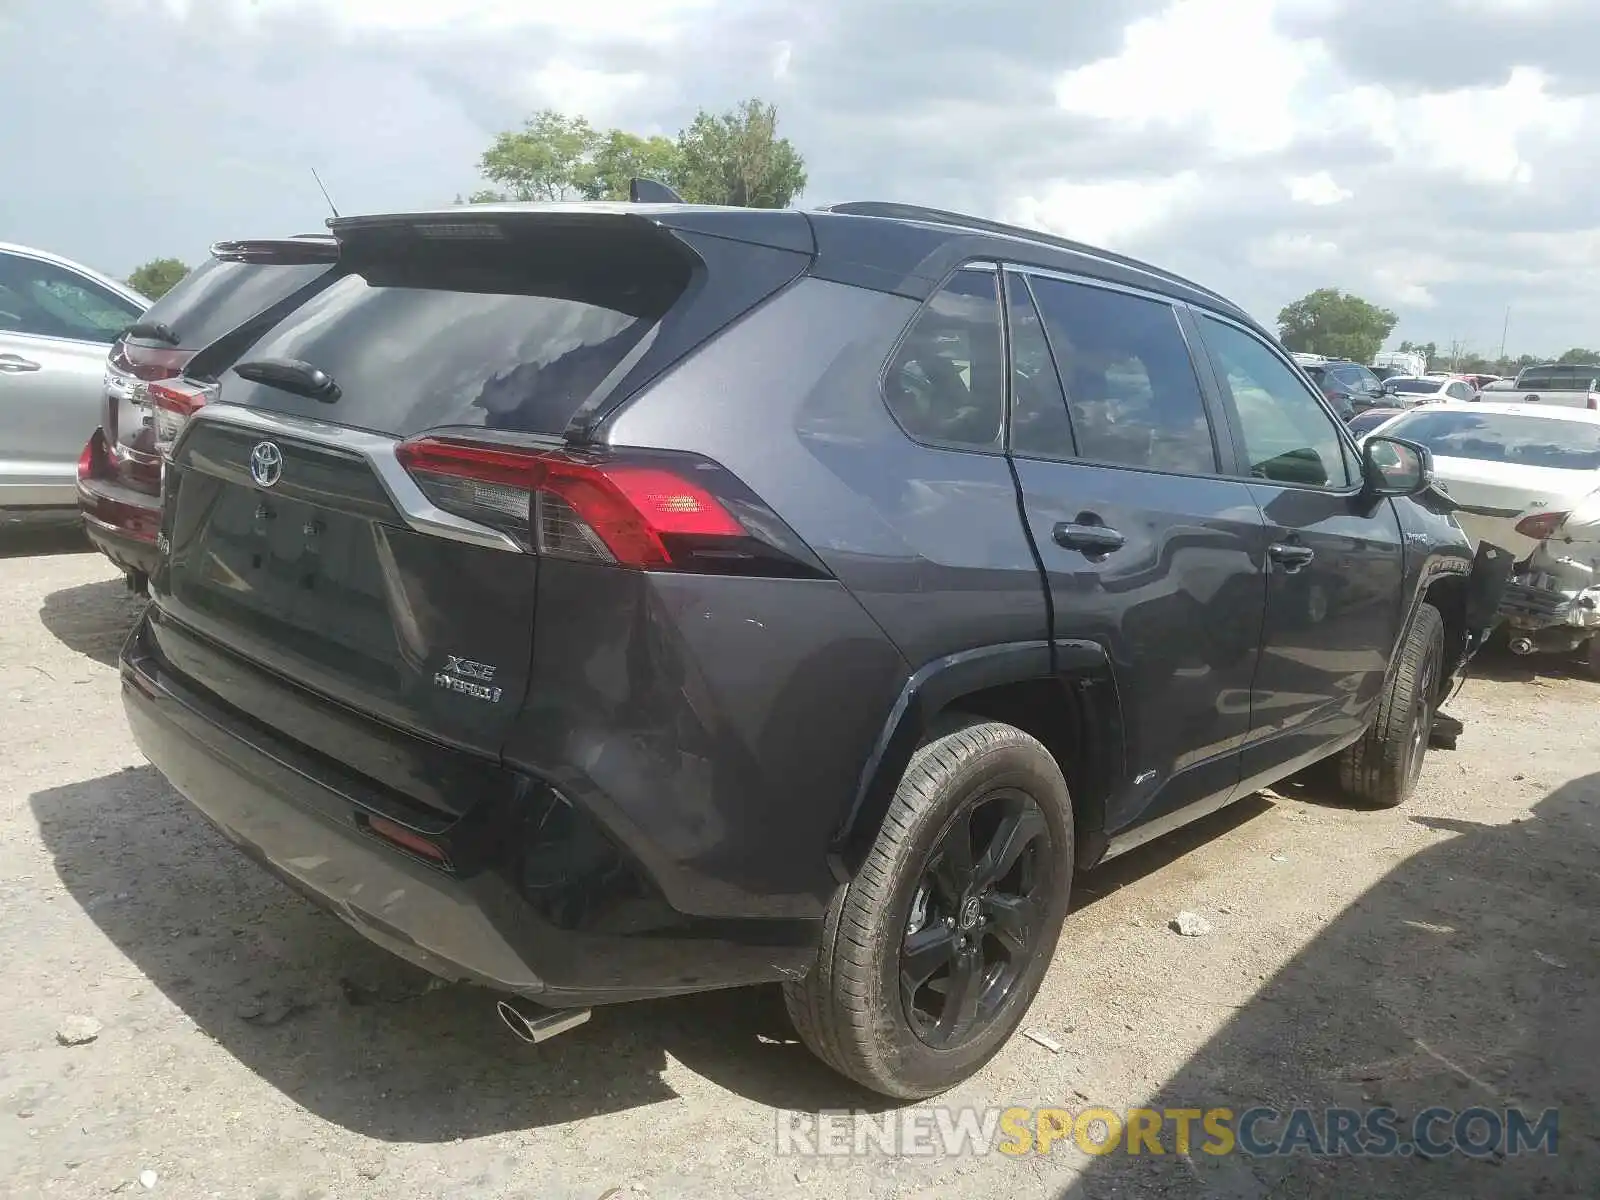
[[1038, 405], [1288, 436], [41, 298], [1130, 383], [945, 384], [1535, 381], [1459, 391]]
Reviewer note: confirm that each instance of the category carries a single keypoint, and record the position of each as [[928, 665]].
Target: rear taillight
[[175, 401], [1594, 401], [88, 461], [1541, 526], [148, 364], [642, 510]]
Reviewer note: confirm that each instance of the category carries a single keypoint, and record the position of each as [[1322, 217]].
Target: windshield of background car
[[1417, 387], [1505, 438]]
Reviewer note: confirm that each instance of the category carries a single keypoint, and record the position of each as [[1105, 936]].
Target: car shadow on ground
[[92, 619], [363, 1039], [1498, 664], [27, 537], [1468, 976]]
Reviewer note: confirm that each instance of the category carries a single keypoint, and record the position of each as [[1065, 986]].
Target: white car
[[57, 322], [1526, 479], [1410, 390]]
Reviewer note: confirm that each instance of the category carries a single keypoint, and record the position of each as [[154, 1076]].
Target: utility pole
[[1503, 329]]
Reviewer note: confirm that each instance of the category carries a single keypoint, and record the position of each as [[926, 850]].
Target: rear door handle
[[15, 364], [1290, 557], [1088, 539]]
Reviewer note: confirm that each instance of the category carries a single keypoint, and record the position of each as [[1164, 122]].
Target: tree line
[[1342, 325]]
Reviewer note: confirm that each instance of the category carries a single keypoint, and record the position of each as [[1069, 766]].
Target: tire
[[852, 1009], [1381, 769]]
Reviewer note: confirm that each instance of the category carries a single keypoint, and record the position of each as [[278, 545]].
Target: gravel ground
[[249, 1045]]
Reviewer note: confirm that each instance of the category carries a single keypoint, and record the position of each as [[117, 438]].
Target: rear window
[[218, 296], [1366, 422], [1415, 387], [1505, 438], [506, 336]]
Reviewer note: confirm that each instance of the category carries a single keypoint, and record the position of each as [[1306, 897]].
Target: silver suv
[[57, 320]]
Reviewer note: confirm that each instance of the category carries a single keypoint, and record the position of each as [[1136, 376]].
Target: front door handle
[[1289, 556], [1090, 540], [15, 364]]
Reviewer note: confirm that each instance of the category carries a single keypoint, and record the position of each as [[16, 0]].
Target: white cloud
[[568, 87], [1483, 135], [1221, 64], [1318, 189], [637, 19], [1293, 251], [1108, 213]]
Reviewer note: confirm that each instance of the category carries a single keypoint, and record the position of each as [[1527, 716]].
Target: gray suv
[[615, 601]]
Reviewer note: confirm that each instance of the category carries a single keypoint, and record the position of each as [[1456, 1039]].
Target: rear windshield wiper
[[158, 331], [290, 375]]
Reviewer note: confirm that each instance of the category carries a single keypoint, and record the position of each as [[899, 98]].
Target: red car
[[119, 471]]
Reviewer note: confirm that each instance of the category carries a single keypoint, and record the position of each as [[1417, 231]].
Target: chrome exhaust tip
[[541, 1028], [1521, 645]]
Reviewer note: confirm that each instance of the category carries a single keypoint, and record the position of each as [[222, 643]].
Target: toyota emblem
[[266, 464]]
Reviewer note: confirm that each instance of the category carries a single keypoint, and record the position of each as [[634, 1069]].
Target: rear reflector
[[175, 401], [1541, 526], [400, 836], [634, 509]]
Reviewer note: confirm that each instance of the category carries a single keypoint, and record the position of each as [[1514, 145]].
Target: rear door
[[1146, 548], [56, 326], [298, 543], [1335, 595]]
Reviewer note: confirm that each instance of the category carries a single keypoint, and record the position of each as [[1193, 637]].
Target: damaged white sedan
[[1526, 479]]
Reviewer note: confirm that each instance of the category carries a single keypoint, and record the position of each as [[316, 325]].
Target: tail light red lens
[[175, 401], [1541, 526], [86, 460], [638, 512], [1594, 402]]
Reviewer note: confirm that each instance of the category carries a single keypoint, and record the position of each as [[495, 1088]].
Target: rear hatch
[[348, 515], [1495, 498], [239, 281]]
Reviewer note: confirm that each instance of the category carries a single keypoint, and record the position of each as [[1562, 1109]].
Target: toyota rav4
[[602, 602]]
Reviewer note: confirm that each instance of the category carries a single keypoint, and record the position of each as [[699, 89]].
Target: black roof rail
[[940, 216], [300, 249]]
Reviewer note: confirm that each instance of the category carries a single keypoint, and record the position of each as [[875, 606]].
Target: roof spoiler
[[648, 191], [302, 249]]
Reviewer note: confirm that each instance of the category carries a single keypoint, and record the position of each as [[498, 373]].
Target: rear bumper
[[1531, 605], [475, 922], [121, 522]]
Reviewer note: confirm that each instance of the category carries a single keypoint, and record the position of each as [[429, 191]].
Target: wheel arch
[[1065, 696]]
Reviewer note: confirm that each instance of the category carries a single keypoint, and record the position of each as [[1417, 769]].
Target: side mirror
[[1391, 466]]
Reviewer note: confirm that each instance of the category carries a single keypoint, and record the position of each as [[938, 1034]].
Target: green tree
[[549, 158], [621, 157], [1335, 323], [1579, 355], [738, 158], [157, 277]]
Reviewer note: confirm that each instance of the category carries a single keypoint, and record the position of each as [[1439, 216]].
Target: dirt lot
[[250, 1046]]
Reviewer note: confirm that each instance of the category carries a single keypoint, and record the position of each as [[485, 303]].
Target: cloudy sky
[[1437, 156]]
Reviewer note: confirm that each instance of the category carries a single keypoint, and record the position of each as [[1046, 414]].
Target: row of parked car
[[599, 602]]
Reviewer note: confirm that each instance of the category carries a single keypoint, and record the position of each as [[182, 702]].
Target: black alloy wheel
[[976, 919]]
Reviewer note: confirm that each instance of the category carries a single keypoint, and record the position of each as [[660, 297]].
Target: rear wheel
[[931, 956], [1382, 768]]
